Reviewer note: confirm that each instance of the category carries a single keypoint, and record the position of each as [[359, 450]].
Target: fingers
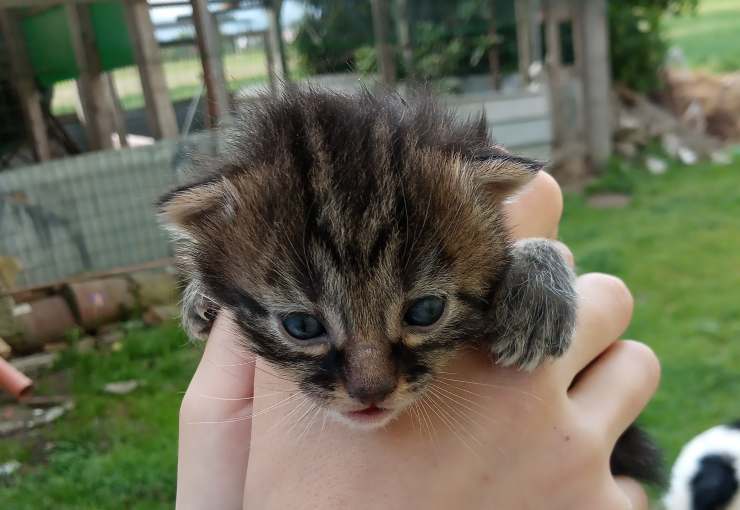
[[215, 428], [634, 493], [536, 210], [604, 312], [617, 386]]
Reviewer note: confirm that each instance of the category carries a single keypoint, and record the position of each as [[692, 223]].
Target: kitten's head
[[357, 240]]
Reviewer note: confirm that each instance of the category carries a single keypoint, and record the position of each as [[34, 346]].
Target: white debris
[[8, 468], [121, 387], [656, 166]]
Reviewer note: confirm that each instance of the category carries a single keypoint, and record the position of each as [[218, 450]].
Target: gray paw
[[535, 313], [198, 312]]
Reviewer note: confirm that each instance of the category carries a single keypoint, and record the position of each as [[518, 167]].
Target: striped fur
[[349, 207]]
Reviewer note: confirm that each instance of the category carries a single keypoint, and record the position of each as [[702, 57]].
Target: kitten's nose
[[371, 393]]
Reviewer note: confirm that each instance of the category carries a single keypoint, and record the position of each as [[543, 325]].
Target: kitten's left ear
[[501, 175]]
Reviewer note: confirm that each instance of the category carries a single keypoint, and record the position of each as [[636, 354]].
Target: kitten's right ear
[[183, 208]]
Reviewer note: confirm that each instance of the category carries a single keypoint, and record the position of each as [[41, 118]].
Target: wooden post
[[276, 48], [494, 63], [209, 47], [119, 114], [566, 102], [95, 95], [383, 48], [159, 109], [596, 75], [403, 28], [270, 62], [553, 60], [523, 14], [535, 30], [23, 80]]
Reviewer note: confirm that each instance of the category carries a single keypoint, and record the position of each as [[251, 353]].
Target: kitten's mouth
[[369, 416]]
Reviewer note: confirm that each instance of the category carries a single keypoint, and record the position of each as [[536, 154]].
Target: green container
[[49, 44]]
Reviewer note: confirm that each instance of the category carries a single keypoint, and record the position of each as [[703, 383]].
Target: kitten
[[359, 242]]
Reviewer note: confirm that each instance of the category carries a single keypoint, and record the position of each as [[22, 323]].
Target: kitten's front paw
[[198, 312], [535, 313]]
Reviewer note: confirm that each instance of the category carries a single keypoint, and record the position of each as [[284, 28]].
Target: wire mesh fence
[[89, 213]]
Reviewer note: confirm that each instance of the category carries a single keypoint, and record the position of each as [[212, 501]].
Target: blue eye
[[425, 311], [303, 326]]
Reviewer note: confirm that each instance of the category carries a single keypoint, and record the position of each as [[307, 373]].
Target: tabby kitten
[[359, 242]]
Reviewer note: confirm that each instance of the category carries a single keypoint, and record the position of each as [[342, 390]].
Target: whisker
[[310, 408], [274, 427], [496, 386], [458, 418], [456, 397], [244, 418], [429, 426], [310, 423], [436, 411], [212, 397]]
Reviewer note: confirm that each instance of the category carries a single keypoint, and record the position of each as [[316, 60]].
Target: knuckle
[[616, 288], [645, 362], [552, 193]]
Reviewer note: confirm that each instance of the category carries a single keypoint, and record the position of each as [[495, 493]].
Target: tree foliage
[[452, 38], [637, 39]]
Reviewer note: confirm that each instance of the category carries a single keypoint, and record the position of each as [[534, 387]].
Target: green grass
[[677, 246], [110, 452], [183, 79], [710, 39]]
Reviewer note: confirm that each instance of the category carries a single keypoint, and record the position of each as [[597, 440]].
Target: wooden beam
[[209, 47], [593, 31], [23, 80], [97, 103], [276, 47], [270, 62], [403, 28], [523, 13], [119, 114], [40, 3], [494, 61], [566, 102], [159, 109], [383, 48]]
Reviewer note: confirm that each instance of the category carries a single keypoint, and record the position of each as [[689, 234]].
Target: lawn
[[710, 38], [183, 79], [677, 245]]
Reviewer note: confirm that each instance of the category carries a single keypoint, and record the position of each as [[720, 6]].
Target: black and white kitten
[[359, 241]]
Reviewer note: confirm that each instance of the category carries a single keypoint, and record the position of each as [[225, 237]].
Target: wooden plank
[[23, 80], [159, 109], [95, 97], [276, 47], [383, 48], [209, 47], [596, 75]]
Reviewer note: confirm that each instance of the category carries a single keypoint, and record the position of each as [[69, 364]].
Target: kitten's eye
[[425, 311], [303, 326]]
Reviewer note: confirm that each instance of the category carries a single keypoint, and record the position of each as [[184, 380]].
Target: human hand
[[509, 440]]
